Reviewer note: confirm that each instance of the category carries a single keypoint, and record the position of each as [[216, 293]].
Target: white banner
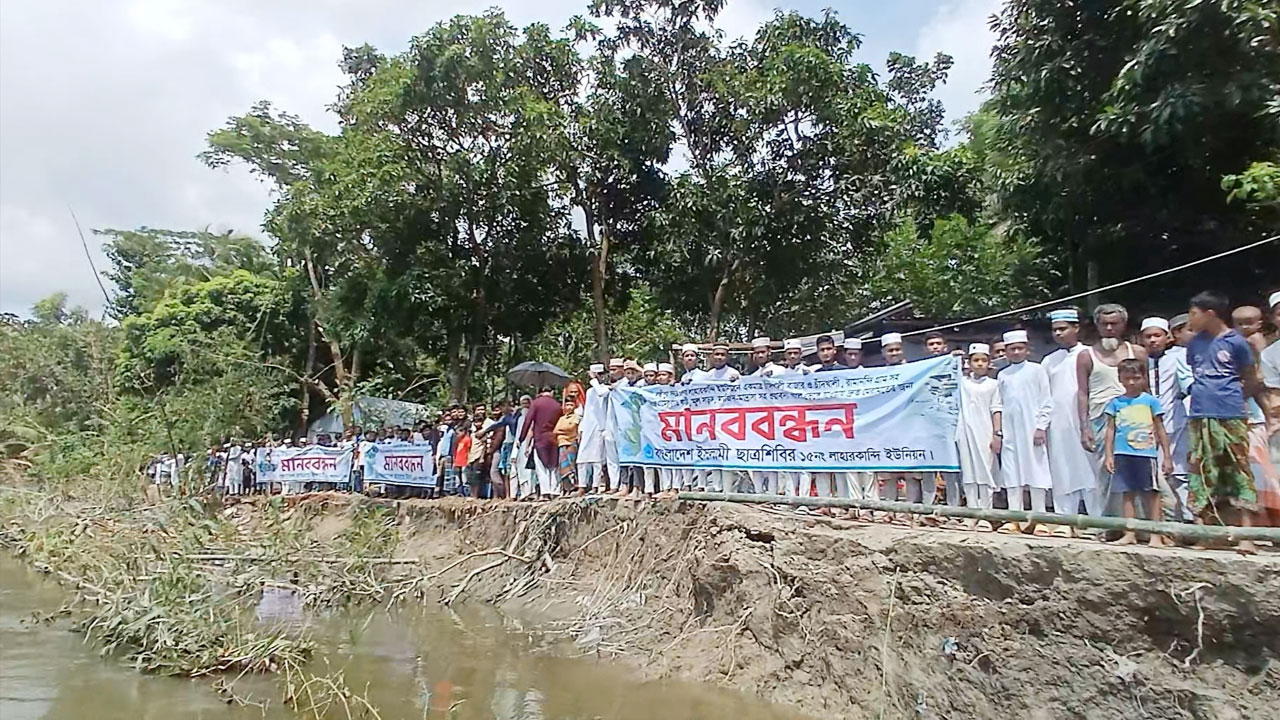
[[399, 463], [901, 417], [313, 463]]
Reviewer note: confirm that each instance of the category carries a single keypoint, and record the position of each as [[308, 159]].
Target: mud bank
[[849, 620]]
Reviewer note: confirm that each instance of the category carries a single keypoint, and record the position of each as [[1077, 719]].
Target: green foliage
[[956, 270], [641, 328], [1258, 185], [1112, 125]]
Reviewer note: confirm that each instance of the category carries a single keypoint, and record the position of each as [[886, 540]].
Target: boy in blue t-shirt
[[1134, 431]]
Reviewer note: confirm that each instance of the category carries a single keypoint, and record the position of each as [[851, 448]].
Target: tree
[[1113, 124]]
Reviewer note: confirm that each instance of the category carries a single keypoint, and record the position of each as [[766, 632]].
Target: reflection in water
[[415, 662]]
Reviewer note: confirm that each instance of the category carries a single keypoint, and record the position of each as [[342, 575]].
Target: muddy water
[[421, 662]]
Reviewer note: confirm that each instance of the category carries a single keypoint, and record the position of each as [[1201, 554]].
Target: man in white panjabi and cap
[[720, 372], [1027, 408], [980, 431], [649, 372], [691, 478], [920, 487], [1071, 467], [668, 478], [612, 465], [591, 433], [764, 482], [1169, 381], [793, 366]]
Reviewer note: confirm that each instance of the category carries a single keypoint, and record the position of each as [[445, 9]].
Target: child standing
[[1134, 432], [980, 432]]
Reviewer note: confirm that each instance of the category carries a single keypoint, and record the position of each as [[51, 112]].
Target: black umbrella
[[538, 375]]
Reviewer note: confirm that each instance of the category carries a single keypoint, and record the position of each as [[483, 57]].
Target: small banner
[[901, 417], [313, 463], [399, 464]]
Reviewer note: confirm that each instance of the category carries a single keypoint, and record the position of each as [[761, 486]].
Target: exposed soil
[[849, 620]]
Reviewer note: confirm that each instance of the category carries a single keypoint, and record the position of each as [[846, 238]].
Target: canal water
[[420, 662]]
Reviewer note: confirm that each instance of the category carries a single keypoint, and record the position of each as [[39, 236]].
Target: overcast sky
[[104, 105]]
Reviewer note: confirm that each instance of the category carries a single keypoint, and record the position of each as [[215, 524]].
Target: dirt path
[[850, 620]]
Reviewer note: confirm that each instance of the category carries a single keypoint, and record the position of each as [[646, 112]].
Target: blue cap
[[1064, 315]]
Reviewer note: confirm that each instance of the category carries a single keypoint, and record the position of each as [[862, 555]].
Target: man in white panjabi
[[668, 478], [860, 485], [1027, 407], [920, 486], [612, 466], [764, 482], [692, 477], [720, 372], [1074, 474], [1169, 379], [979, 432], [793, 366], [591, 434], [1097, 384]]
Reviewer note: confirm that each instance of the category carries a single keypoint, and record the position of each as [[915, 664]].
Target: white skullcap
[[616, 362], [597, 368], [1274, 300], [760, 342], [980, 349], [666, 367], [1155, 322], [651, 367], [853, 344], [793, 344], [719, 346], [891, 339], [1015, 336], [688, 347]]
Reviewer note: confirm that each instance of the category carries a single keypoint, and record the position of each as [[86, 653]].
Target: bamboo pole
[[1227, 533]]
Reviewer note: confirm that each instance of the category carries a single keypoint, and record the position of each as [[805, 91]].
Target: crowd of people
[[1175, 419]]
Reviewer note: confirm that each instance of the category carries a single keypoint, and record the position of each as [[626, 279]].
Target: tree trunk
[[304, 384], [718, 300], [455, 369], [599, 267]]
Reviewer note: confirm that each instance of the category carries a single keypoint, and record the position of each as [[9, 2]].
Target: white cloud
[[104, 106], [960, 29]]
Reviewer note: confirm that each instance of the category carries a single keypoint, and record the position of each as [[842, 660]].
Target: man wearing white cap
[[763, 481], [690, 477], [668, 478], [853, 352], [1169, 380], [720, 372], [614, 480], [649, 372], [591, 455], [631, 476], [764, 367], [793, 359], [920, 487], [891, 349], [1027, 407], [1098, 383], [979, 433], [1072, 468]]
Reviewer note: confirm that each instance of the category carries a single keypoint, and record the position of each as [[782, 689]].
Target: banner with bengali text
[[313, 463], [901, 417], [399, 464]]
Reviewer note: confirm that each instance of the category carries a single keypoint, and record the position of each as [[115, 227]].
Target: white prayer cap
[[980, 349], [666, 367], [854, 343], [631, 365], [891, 339], [597, 368], [760, 342], [1155, 322], [719, 346], [793, 344], [651, 367], [687, 348], [1064, 315], [1015, 336], [616, 362], [1274, 300]]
